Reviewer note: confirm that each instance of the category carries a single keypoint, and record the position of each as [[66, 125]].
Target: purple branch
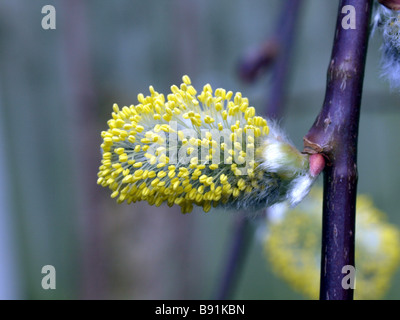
[[334, 134]]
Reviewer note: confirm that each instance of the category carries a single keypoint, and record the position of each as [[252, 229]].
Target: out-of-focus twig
[[86, 140], [255, 61], [285, 31], [236, 253]]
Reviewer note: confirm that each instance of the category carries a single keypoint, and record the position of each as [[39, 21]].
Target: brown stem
[[334, 134]]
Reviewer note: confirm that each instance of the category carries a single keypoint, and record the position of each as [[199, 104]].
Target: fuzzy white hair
[[388, 22]]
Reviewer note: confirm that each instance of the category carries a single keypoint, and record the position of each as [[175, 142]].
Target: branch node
[[311, 147]]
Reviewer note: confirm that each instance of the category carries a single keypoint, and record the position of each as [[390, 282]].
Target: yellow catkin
[[136, 164], [293, 247]]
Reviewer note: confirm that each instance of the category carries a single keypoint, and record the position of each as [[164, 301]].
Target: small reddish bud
[[317, 164], [391, 4]]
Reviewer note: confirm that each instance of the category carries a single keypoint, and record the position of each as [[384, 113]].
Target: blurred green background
[[57, 88]]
